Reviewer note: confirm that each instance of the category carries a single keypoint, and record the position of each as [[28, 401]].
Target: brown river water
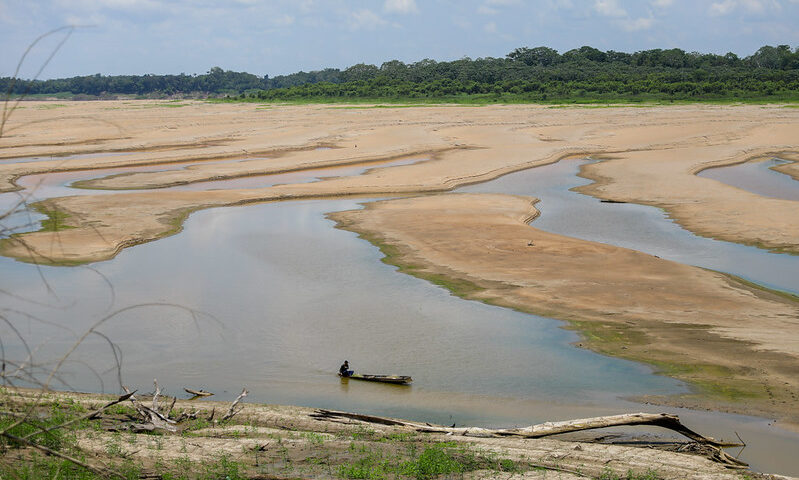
[[283, 298]]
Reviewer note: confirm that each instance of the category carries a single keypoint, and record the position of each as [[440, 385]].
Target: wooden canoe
[[396, 379], [198, 393]]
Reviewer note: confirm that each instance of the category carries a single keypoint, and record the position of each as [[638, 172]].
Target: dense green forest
[[538, 74]]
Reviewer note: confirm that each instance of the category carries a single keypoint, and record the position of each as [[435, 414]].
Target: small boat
[[198, 393], [396, 379]]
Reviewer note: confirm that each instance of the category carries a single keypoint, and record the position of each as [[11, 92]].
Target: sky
[[273, 37]]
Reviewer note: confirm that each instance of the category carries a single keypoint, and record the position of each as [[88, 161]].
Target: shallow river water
[[285, 298], [757, 177], [638, 227]]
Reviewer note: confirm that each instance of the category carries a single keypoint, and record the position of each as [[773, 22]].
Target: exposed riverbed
[[286, 297]]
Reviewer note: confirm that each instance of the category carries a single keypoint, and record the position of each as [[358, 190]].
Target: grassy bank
[[282, 442]]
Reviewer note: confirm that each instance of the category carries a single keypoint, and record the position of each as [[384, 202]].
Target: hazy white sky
[[283, 36]]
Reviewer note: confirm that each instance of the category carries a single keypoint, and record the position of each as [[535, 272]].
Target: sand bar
[[791, 169], [654, 153]]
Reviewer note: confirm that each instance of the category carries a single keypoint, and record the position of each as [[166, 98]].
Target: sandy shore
[[654, 153], [791, 169], [273, 441]]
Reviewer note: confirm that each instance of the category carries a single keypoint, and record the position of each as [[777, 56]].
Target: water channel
[[639, 227], [757, 177], [285, 297], [49, 185]]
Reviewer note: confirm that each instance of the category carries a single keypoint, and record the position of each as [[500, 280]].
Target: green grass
[[782, 294], [120, 409], [172, 105], [630, 475], [510, 98], [54, 440], [56, 218], [392, 256], [715, 381], [436, 460], [609, 105], [30, 464], [367, 107], [313, 438], [40, 467]]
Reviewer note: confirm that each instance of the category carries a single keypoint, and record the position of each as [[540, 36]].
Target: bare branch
[[232, 411], [7, 111], [156, 419], [155, 394], [87, 416]]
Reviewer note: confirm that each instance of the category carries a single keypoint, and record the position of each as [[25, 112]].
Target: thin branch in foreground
[[87, 416], [7, 111], [103, 472]]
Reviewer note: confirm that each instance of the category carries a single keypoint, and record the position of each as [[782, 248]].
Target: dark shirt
[[344, 370]]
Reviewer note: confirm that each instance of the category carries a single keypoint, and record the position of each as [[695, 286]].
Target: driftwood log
[[153, 418], [664, 420]]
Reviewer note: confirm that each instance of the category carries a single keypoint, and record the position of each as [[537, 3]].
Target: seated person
[[345, 371]]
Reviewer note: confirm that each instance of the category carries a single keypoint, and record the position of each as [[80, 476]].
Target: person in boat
[[345, 371]]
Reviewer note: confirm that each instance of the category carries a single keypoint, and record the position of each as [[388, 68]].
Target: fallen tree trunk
[[664, 420], [671, 422]]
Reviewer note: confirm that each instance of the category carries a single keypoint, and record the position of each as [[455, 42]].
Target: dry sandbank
[[655, 152], [791, 169]]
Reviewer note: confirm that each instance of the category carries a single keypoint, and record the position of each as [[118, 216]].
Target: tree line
[[526, 74]]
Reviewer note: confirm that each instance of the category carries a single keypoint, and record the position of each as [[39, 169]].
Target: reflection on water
[[638, 227], [757, 177], [297, 297], [17, 218]]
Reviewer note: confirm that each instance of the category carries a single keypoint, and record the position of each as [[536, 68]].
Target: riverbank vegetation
[[525, 75], [86, 436]]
